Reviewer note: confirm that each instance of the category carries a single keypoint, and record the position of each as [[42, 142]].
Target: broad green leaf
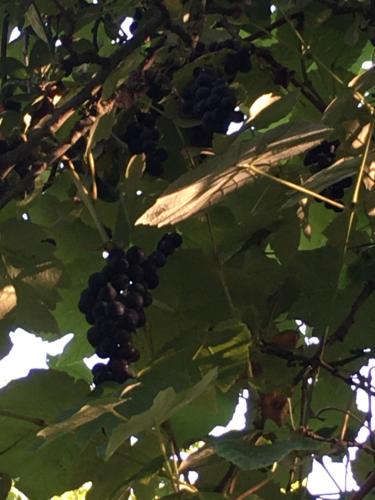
[[166, 404], [206, 186], [34, 20], [270, 108], [250, 457]]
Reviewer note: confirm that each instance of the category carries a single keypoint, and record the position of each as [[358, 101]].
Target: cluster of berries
[[141, 136], [321, 157], [240, 60], [210, 98], [114, 303]]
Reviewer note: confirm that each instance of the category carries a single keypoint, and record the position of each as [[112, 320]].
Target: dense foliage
[[109, 142]]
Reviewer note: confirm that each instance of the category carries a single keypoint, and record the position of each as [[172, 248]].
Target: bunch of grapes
[[210, 98], [240, 61], [141, 136], [114, 303], [321, 157]]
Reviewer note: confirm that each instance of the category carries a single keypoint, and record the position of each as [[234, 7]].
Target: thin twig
[[366, 488], [39, 422]]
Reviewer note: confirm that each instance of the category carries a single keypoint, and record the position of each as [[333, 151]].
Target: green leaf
[[165, 404], [250, 457], [34, 20], [10, 66]]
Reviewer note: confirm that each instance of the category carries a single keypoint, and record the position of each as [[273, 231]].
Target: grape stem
[[220, 268], [83, 194], [174, 482]]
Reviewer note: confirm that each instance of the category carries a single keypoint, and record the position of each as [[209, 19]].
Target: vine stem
[[220, 268], [366, 488], [86, 200], [173, 479], [32, 420], [351, 222], [292, 185]]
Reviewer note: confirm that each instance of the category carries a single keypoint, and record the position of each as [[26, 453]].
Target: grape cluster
[[141, 136], [240, 61], [210, 98], [114, 303], [321, 157]]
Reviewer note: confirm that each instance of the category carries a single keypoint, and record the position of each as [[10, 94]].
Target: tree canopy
[[196, 203]]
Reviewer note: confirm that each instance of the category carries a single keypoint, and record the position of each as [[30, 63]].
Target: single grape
[[94, 336], [115, 309], [136, 273], [157, 258], [97, 281], [107, 293], [135, 255], [86, 301]]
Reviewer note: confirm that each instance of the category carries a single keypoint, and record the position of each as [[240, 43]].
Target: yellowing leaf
[[8, 300], [218, 177]]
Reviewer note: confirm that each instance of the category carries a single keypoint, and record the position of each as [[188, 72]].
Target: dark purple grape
[[100, 310], [120, 370], [147, 299], [115, 309], [149, 267], [94, 336], [90, 318], [101, 373], [219, 91], [166, 247], [204, 79], [120, 265], [136, 273], [152, 280], [201, 93], [139, 288], [157, 258], [175, 238], [130, 319], [105, 348], [213, 102], [135, 255], [133, 27], [86, 301], [107, 327], [199, 108], [237, 117], [132, 355], [141, 319], [134, 300], [97, 281], [115, 254], [228, 102], [120, 282], [107, 293]]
